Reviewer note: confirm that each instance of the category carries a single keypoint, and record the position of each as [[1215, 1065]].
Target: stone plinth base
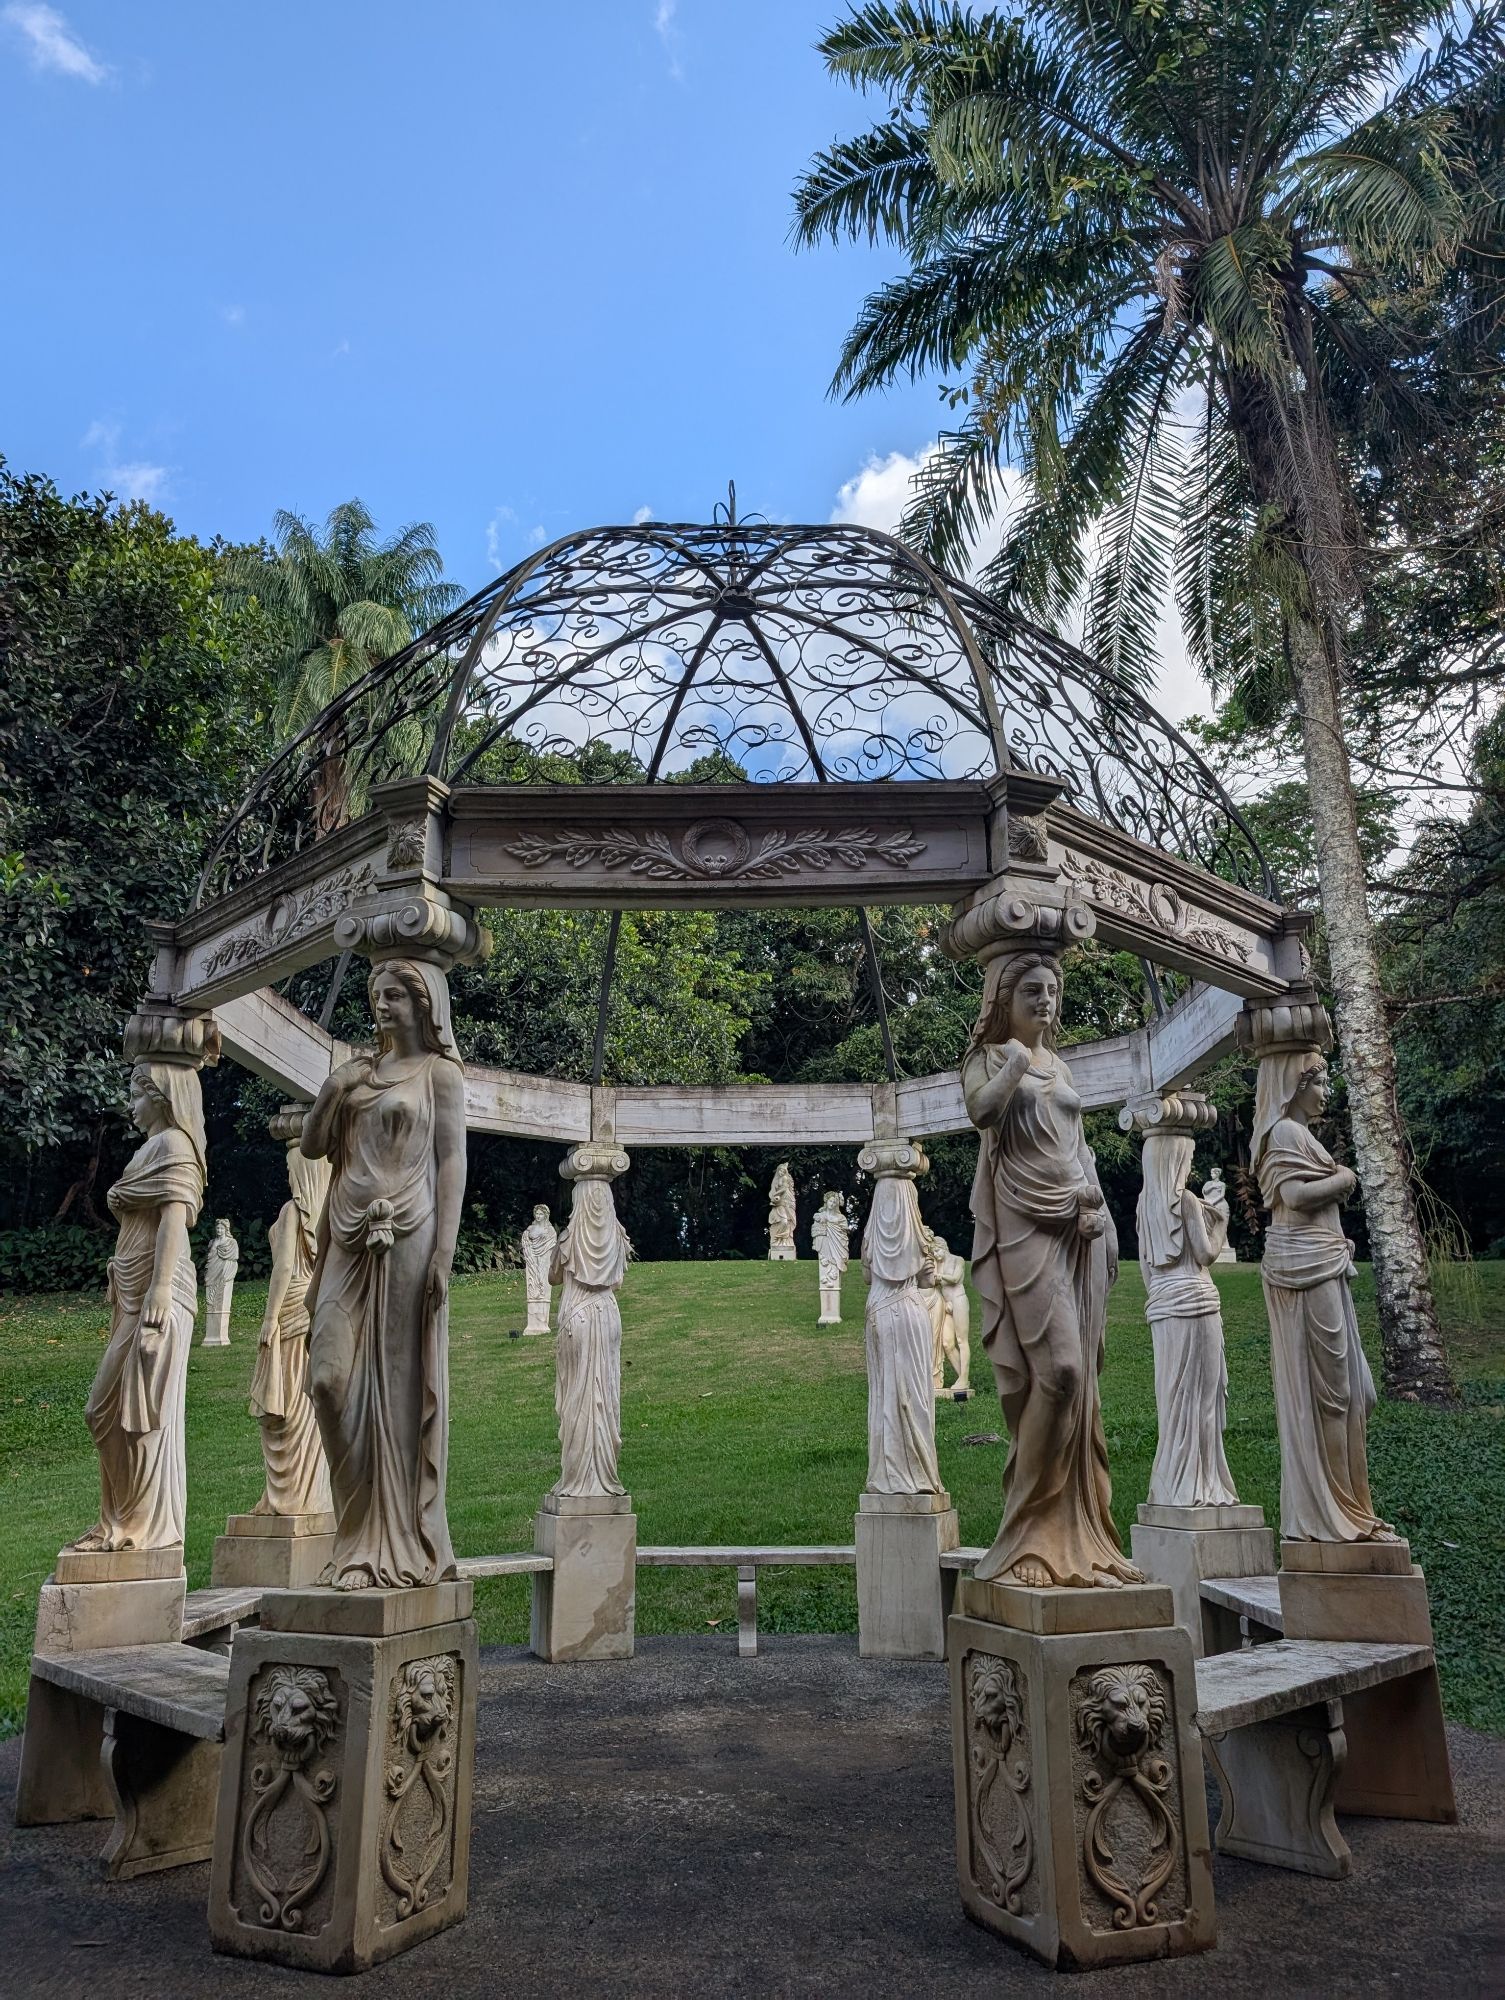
[[902, 1592], [117, 1565], [129, 1611], [585, 1607], [1180, 1546], [273, 1551], [1081, 1819], [538, 1317], [343, 1828], [216, 1327], [781, 1254], [830, 1306], [1397, 1765]]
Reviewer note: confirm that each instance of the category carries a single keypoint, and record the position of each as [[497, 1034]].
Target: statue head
[[1290, 1084], [222, 1228], [835, 1202], [409, 1002], [540, 1212], [1021, 1000], [165, 1095]]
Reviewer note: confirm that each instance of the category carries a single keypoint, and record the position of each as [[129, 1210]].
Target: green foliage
[[59, 1257]]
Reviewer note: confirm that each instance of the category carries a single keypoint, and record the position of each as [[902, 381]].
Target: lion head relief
[[1123, 1714], [296, 1712], [995, 1700], [425, 1702]]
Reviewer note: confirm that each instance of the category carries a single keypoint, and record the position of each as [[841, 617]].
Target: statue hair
[[1003, 979]]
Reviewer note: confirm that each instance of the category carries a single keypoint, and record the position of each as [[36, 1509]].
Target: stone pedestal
[[830, 1306], [903, 1594], [538, 1316], [1397, 1764], [343, 1829], [781, 1253], [1180, 1546], [273, 1551], [1081, 1819], [585, 1607]]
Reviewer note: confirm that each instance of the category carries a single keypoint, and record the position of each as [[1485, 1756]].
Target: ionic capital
[[418, 929], [286, 1123], [1169, 1112], [592, 1161], [1012, 918], [893, 1159]]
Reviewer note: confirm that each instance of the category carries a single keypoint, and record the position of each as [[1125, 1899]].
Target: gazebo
[[792, 715]]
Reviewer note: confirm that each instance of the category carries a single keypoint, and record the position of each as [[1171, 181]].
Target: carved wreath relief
[[286, 1840], [1156, 904], [290, 917], [418, 1824], [718, 850], [1127, 1798], [999, 1805]]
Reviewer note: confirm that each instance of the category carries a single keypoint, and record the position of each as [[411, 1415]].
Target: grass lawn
[[744, 1422]]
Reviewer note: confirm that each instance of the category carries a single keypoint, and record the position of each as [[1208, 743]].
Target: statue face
[[1312, 1094], [1033, 1007], [540, 1214], [146, 1104], [222, 1227], [393, 1008]]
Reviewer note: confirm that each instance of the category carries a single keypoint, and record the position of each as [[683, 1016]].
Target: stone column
[[122, 1583], [342, 1835], [1345, 1575], [584, 1608], [287, 1540], [905, 1520], [1193, 1524], [1081, 1819]]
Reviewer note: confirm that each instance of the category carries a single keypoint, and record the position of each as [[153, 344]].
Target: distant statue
[[297, 1474], [829, 1231], [782, 1218], [135, 1408], [1044, 1255], [220, 1265], [590, 1262], [538, 1241], [943, 1286], [900, 1400], [392, 1126], [1324, 1391], [1180, 1235], [1215, 1192]]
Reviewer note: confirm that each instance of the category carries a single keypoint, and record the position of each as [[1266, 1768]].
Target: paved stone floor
[[690, 1823]]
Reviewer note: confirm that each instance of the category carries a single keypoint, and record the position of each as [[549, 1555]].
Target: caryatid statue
[[221, 1261], [943, 1286], [900, 1399], [782, 1217], [135, 1409], [392, 1125], [590, 1262], [1180, 1235], [538, 1241], [297, 1473], [1324, 1391], [1044, 1254], [829, 1231]]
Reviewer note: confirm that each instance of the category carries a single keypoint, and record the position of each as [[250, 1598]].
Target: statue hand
[[158, 1308], [436, 1288], [349, 1074], [1016, 1057], [268, 1333]]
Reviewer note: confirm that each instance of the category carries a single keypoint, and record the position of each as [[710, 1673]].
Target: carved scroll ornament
[[420, 1774], [998, 1749], [1158, 905], [295, 1715], [1120, 1721], [291, 917], [718, 850]]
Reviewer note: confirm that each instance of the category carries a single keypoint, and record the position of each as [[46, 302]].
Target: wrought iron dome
[[797, 653]]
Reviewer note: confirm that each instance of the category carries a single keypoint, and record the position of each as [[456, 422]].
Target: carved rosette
[[286, 1832], [1126, 1792], [419, 929], [418, 1824], [1009, 920], [1000, 1809], [407, 844]]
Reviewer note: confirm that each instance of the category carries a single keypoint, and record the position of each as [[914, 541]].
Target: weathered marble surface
[[538, 1241], [221, 1261]]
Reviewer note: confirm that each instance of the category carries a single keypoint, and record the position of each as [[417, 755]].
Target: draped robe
[[297, 1474], [590, 1261], [900, 1395], [1179, 1236]]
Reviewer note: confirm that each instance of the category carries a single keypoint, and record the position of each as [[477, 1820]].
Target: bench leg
[[165, 1787], [60, 1775], [1278, 1780], [1397, 1752], [747, 1611]]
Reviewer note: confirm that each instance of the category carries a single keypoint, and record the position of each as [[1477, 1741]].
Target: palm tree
[[338, 605], [1156, 239]]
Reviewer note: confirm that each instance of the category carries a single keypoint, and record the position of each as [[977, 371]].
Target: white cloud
[[538, 534], [495, 555], [233, 315], [340, 349], [129, 478], [51, 43], [668, 34], [643, 514]]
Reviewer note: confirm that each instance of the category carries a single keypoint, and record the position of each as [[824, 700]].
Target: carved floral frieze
[[290, 918], [999, 1806], [1158, 905], [286, 1840], [715, 850], [1131, 1838], [420, 1782]]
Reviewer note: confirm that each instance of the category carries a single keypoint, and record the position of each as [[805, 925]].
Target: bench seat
[[1254, 1599], [210, 1613], [176, 1687]]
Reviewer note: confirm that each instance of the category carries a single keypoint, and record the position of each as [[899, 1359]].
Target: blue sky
[[509, 268]]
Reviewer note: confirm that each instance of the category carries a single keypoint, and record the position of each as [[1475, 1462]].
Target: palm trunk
[[1415, 1363]]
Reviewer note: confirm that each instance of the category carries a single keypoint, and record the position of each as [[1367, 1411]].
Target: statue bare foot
[[93, 1542], [1033, 1575]]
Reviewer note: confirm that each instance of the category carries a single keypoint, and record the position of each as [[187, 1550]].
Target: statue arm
[[1305, 1195], [449, 1153], [1205, 1226], [1305, 1177], [170, 1248], [988, 1097], [281, 1237], [321, 1125]]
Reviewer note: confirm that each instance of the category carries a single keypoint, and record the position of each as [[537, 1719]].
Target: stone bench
[[211, 1617], [156, 1771], [1245, 1610], [747, 1562], [1271, 1716]]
